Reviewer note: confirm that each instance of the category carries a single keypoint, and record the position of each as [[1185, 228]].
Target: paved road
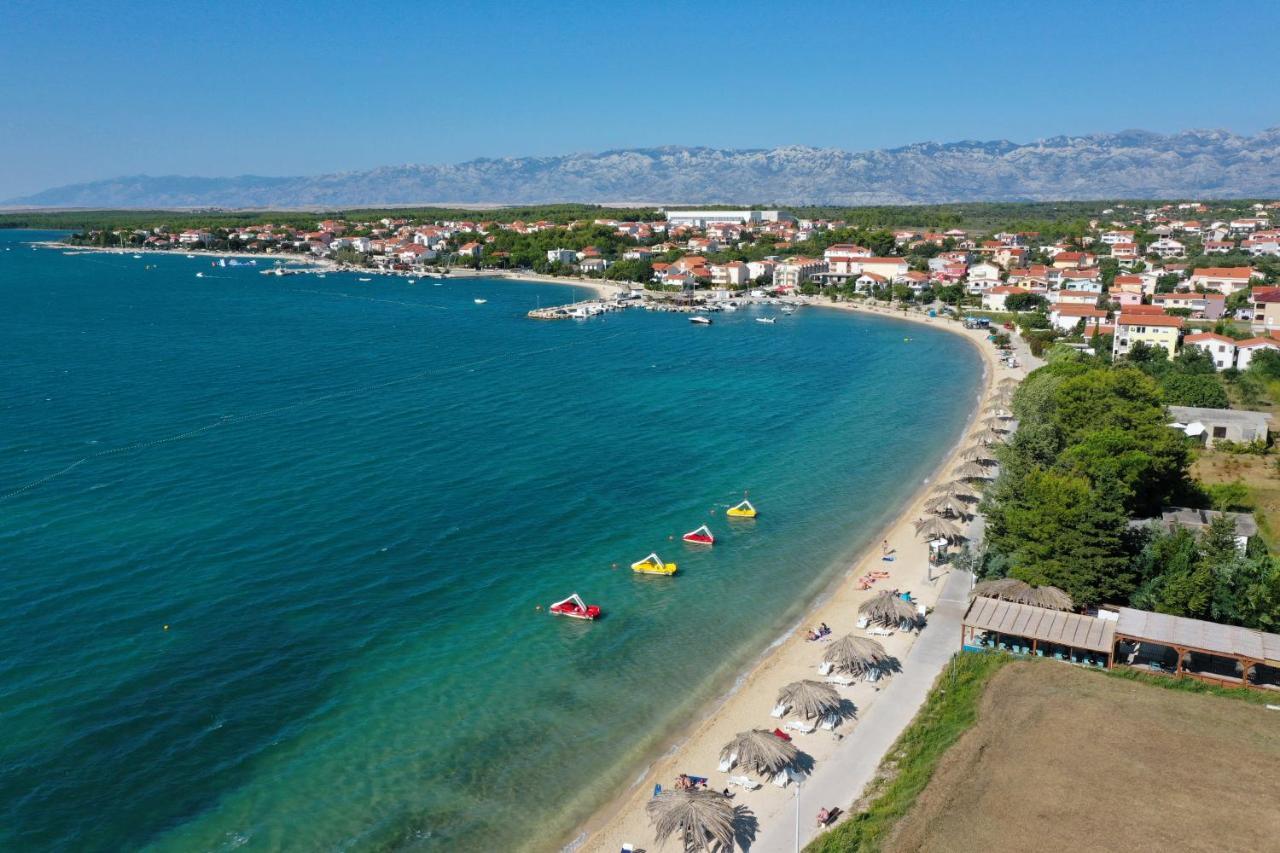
[[839, 780]]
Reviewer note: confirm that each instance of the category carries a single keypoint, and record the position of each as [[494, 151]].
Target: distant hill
[[1132, 164]]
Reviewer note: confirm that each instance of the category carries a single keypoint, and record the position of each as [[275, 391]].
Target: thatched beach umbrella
[[973, 471], [702, 819], [1021, 592], [989, 436], [945, 504], [888, 610], [810, 698], [978, 453], [996, 423], [856, 655], [955, 489], [994, 408], [937, 528], [760, 751]]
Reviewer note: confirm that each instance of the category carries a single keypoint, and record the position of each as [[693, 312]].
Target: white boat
[[319, 275], [413, 281], [199, 275], [480, 301], [190, 256], [769, 320], [437, 284], [788, 310], [700, 321], [137, 257], [364, 279]]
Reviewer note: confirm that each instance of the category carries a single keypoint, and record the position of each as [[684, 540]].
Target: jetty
[[578, 310]]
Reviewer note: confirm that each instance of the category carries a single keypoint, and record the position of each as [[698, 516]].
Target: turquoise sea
[[346, 502]]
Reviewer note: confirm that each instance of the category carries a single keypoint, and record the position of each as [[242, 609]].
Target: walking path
[[840, 779]]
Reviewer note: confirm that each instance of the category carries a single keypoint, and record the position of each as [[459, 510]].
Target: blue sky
[[95, 90]]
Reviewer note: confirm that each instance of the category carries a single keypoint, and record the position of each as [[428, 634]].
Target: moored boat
[[574, 608], [769, 320], [653, 565], [742, 510], [480, 301], [700, 320], [701, 536]]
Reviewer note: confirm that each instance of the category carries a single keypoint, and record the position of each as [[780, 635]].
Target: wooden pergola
[[1255, 654], [1027, 629]]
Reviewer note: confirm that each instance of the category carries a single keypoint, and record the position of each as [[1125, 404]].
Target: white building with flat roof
[[703, 218]]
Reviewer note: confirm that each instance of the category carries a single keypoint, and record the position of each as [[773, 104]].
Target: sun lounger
[[872, 675], [726, 764], [802, 726], [842, 680], [863, 622], [825, 668], [880, 632], [780, 733], [780, 710], [697, 781], [781, 779], [628, 848], [830, 722], [657, 789], [744, 782]]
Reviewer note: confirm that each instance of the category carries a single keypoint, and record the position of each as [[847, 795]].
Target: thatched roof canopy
[[856, 655], [888, 610], [760, 751], [955, 489], [973, 471], [1021, 592], [701, 819], [988, 436], [948, 505], [938, 528], [810, 699], [997, 423], [978, 453]]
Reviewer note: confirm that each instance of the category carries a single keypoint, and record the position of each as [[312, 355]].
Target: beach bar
[[991, 623], [1224, 655]]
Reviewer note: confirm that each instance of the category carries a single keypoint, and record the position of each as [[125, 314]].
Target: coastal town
[[1110, 508]]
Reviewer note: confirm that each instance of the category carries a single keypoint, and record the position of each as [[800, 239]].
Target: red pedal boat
[[574, 608], [701, 536]]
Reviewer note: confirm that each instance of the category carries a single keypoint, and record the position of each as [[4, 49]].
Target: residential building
[[732, 274], [1248, 348], [1219, 347], [702, 218], [1167, 247], [1221, 424], [1208, 305], [1067, 317], [562, 256], [1225, 280], [1154, 330], [791, 272]]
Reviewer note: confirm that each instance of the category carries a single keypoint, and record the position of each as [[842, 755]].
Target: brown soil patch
[[1063, 759]]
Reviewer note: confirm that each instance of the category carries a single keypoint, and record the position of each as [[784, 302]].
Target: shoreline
[[746, 704]]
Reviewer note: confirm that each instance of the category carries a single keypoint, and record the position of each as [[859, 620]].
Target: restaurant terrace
[[1225, 655]]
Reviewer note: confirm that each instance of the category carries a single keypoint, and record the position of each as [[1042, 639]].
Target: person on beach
[[823, 816]]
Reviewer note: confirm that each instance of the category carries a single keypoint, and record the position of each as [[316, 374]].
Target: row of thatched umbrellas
[[706, 820]]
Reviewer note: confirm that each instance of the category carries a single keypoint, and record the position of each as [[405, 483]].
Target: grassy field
[[1260, 477], [1060, 758]]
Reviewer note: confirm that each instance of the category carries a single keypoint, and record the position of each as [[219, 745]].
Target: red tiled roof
[[1149, 320]]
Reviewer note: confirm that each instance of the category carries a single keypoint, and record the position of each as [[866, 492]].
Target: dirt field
[[1061, 759]]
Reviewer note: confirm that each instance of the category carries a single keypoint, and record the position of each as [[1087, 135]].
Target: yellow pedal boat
[[742, 510], [653, 565]]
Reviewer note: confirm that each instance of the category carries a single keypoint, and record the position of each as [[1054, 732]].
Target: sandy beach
[[697, 750]]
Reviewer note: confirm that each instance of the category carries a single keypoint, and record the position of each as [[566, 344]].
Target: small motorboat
[[701, 536], [364, 279], [700, 321], [137, 257], [789, 309], [319, 275], [437, 284], [199, 275], [413, 281], [190, 256], [769, 320], [653, 565], [574, 608], [480, 301], [742, 510]]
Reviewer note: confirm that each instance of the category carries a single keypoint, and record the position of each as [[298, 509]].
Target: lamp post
[[798, 786]]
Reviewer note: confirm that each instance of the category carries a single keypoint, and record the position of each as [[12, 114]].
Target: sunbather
[[823, 817]]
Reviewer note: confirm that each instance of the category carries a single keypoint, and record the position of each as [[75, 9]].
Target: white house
[[732, 274], [1247, 349], [562, 256], [1167, 247], [1067, 317], [984, 271], [1225, 280], [1219, 347]]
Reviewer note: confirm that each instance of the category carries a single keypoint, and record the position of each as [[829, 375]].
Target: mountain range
[[1130, 164]]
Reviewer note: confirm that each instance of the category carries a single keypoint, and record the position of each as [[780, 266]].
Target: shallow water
[[347, 501]]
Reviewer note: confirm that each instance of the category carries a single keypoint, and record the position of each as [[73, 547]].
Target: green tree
[[1193, 389]]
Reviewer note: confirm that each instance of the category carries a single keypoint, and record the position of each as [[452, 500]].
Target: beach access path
[[840, 780]]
